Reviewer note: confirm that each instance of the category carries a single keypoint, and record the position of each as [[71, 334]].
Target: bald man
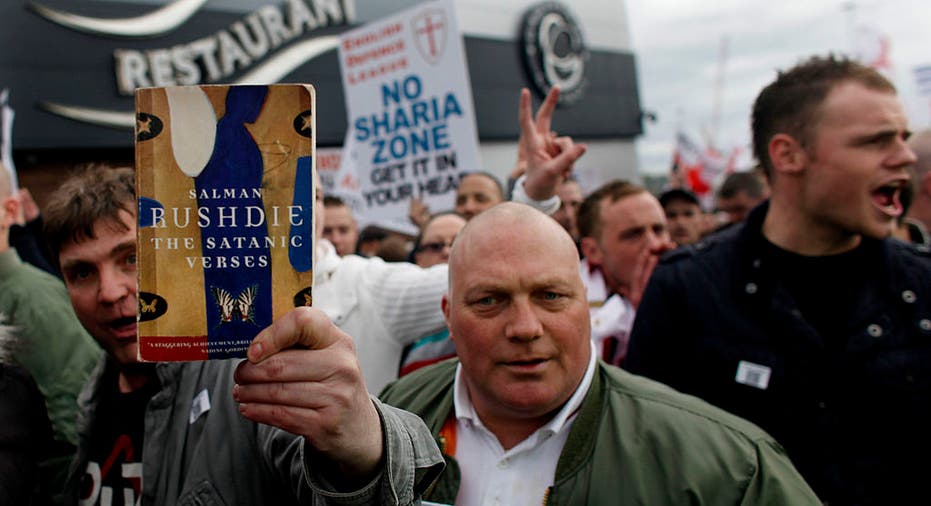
[[527, 412]]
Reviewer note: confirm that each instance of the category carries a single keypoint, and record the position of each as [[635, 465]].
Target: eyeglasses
[[434, 247]]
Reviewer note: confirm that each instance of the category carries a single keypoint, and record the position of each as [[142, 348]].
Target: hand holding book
[[302, 376]]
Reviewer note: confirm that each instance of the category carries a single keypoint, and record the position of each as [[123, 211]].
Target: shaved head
[[497, 226], [517, 311]]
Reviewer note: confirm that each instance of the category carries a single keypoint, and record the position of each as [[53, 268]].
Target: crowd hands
[[490, 310]]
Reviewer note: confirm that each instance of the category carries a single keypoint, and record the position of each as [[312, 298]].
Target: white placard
[[411, 120]]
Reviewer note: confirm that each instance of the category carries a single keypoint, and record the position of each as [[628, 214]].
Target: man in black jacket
[[808, 320]]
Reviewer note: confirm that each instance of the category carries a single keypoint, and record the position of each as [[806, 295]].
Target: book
[[225, 187]]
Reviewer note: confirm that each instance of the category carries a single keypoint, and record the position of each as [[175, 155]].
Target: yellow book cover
[[224, 178]]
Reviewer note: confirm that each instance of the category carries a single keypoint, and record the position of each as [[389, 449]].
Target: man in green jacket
[[53, 347], [528, 415]]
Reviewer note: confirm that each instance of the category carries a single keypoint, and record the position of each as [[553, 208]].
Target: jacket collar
[[581, 441], [761, 290], [9, 262]]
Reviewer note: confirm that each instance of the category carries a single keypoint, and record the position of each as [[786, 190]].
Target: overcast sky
[[678, 44]]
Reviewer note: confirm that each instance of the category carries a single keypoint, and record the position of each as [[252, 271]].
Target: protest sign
[[409, 105], [339, 181]]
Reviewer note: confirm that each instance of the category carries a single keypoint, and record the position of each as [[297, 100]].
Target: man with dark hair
[[739, 193], [192, 432], [340, 226], [684, 216], [477, 192], [570, 198], [623, 231], [528, 415], [807, 319]]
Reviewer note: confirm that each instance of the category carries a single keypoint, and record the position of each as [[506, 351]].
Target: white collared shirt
[[612, 316], [492, 476]]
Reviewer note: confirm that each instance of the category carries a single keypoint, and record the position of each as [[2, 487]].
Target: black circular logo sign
[[553, 51]]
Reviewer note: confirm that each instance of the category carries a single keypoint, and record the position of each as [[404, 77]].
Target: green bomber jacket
[[634, 441]]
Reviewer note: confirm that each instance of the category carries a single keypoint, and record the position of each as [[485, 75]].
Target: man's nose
[[657, 241], [524, 325], [904, 156], [114, 285]]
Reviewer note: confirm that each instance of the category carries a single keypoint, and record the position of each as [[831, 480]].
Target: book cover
[[226, 228]]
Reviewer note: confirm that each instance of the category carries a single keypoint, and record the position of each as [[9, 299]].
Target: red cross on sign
[[430, 31]]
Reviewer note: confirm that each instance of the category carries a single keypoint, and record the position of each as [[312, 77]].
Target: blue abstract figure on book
[[238, 279]]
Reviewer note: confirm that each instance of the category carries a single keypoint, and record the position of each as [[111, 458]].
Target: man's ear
[[444, 303], [787, 154], [591, 251], [10, 211]]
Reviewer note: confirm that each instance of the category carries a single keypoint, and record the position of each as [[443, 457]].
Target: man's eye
[[78, 273], [131, 259], [486, 301], [551, 296]]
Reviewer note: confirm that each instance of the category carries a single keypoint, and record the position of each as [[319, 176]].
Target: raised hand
[[302, 376], [549, 159]]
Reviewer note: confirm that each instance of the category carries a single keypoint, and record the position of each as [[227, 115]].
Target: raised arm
[[302, 376]]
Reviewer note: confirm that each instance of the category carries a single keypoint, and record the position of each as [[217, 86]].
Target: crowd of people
[[537, 343]]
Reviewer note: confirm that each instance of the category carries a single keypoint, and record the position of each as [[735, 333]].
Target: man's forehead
[[630, 208], [537, 266], [476, 183], [103, 231], [852, 104], [335, 212], [521, 279]]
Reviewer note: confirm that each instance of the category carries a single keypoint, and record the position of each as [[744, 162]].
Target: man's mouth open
[[887, 198]]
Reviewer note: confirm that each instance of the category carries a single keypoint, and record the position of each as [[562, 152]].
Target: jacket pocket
[[204, 494]]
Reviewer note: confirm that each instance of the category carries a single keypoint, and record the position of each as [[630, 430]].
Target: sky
[[678, 47]]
